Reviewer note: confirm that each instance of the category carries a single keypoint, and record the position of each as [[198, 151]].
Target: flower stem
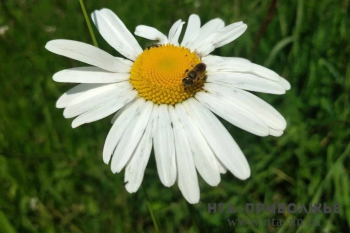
[[150, 209], [88, 23]]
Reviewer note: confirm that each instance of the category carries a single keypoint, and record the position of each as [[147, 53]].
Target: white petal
[[221, 167], [114, 35], [250, 102], [93, 98], [88, 54], [235, 64], [74, 92], [206, 47], [127, 62], [187, 175], [193, 26], [203, 156], [276, 133], [164, 148], [220, 38], [135, 169], [175, 32], [121, 28], [131, 137], [206, 31], [106, 109], [285, 84], [233, 113], [118, 129], [229, 34], [151, 34], [115, 117], [89, 74], [219, 139], [246, 81]]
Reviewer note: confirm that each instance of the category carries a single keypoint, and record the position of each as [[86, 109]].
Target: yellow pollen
[[158, 72]]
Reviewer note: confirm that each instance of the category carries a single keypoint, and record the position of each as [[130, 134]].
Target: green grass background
[[53, 179]]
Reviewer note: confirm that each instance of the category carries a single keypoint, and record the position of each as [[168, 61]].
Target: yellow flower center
[[158, 73]]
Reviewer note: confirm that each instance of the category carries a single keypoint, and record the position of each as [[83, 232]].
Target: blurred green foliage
[[53, 178]]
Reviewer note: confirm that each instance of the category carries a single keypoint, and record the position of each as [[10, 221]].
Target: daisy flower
[[165, 100]]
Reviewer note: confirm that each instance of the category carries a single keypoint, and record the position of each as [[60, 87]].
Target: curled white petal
[[219, 38], [229, 34], [151, 34], [206, 31], [175, 32]]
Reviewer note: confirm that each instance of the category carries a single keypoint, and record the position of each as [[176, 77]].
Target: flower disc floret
[[158, 72]]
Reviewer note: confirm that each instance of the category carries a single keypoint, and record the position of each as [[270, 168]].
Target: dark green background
[[52, 177]]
